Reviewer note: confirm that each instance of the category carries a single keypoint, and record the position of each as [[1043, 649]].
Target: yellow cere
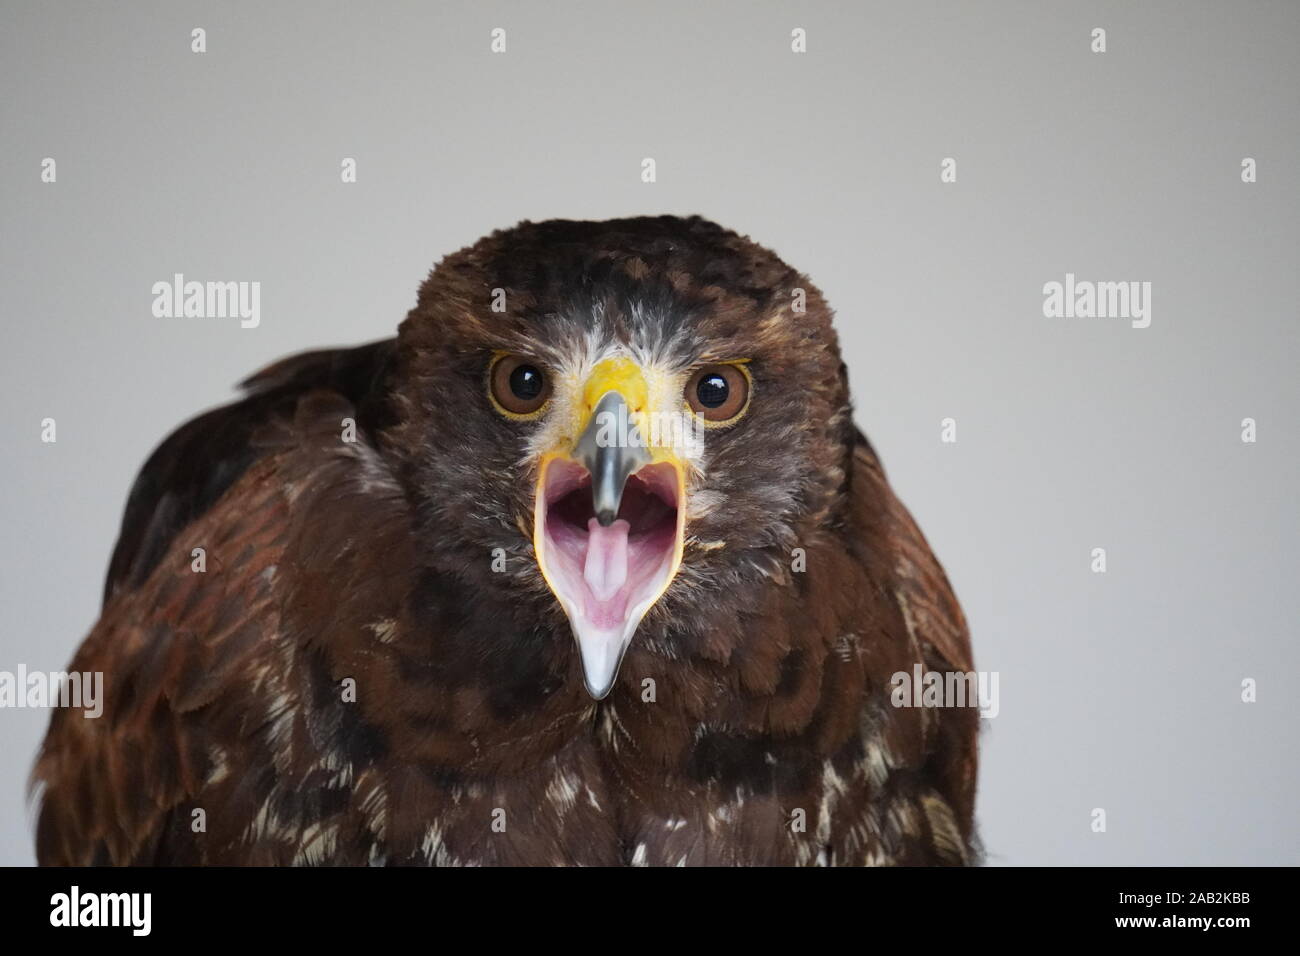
[[621, 374]]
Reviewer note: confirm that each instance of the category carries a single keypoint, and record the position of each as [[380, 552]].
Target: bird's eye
[[719, 393], [518, 386]]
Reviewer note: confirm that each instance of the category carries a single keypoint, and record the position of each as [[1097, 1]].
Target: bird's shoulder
[[197, 463], [938, 640], [209, 677], [920, 585]]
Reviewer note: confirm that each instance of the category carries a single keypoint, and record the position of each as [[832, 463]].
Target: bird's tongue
[[605, 566]]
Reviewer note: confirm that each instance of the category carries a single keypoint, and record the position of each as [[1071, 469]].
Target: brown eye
[[519, 386], [718, 393]]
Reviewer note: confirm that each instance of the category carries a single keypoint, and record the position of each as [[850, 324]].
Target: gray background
[[1119, 690]]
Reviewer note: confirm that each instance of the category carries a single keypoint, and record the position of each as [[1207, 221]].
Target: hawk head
[[629, 421]]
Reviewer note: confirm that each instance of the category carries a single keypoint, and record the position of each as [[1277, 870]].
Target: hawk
[[588, 565]]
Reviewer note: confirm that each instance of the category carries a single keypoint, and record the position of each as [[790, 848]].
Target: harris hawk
[[587, 565]]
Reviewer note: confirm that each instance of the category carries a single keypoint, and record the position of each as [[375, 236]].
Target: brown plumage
[[403, 565]]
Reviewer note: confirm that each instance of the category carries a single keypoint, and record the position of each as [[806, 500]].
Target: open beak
[[608, 521]]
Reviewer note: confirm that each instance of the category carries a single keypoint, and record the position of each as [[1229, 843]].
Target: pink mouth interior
[[607, 571]]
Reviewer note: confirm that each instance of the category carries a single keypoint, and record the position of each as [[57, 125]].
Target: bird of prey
[[588, 565]]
